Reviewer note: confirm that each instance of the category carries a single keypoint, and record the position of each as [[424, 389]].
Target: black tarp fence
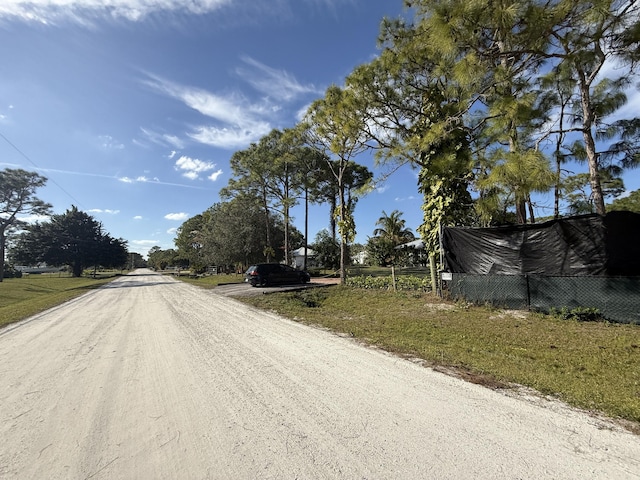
[[589, 261]]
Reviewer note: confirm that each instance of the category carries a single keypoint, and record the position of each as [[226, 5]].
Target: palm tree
[[392, 229], [392, 232]]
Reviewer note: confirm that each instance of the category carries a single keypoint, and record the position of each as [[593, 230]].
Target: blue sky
[[132, 108]]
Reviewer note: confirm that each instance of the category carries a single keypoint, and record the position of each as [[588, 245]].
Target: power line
[[26, 157]]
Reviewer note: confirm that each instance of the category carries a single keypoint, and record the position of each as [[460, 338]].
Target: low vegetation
[[31, 294], [211, 281], [591, 365]]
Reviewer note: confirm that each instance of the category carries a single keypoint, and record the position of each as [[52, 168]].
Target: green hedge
[[403, 282]]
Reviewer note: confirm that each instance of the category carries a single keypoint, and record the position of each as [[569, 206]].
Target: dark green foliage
[[74, 239], [17, 197], [403, 282], [159, 259], [630, 203], [580, 314], [327, 250], [391, 233], [11, 272]]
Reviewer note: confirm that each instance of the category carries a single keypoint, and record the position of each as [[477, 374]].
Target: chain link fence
[[617, 298]]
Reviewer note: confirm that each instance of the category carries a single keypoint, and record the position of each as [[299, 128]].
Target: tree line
[[73, 239], [491, 102]]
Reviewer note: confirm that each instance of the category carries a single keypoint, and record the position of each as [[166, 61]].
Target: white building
[[297, 256]]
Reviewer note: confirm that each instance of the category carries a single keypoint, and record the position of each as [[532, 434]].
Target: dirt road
[[150, 378]]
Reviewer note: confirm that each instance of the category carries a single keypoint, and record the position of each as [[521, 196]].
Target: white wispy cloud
[[404, 199], [140, 179], [177, 216], [107, 211], [155, 181], [214, 176], [144, 243], [138, 217], [142, 246], [108, 142], [162, 139], [237, 121], [4, 118], [86, 11], [34, 218], [230, 137], [276, 84], [192, 167]]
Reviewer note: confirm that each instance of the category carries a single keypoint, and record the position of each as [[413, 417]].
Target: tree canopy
[[391, 232], [74, 239], [232, 234], [630, 203], [488, 101], [17, 197], [474, 93]]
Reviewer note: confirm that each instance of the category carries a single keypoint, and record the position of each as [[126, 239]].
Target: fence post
[[526, 278]]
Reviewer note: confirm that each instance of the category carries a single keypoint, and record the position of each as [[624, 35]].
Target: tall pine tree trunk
[[588, 120]]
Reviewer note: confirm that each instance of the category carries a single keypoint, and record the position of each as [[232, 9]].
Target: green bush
[[403, 282], [11, 272], [580, 314]]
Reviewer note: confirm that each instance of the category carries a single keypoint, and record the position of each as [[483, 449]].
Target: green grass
[[594, 366], [26, 296]]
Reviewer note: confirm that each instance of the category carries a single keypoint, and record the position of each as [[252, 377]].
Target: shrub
[[403, 282], [580, 314], [11, 272]]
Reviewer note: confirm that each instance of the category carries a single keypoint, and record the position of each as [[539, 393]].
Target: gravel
[[151, 378]]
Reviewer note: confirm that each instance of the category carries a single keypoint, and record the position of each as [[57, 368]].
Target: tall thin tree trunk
[[2, 252], [343, 239], [285, 205], [530, 205], [267, 229], [332, 220], [588, 120], [559, 142], [306, 226]]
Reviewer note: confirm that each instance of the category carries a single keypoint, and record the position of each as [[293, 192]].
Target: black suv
[[265, 274]]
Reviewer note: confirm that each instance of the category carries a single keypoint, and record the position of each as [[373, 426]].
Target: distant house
[[360, 258], [297, 257]]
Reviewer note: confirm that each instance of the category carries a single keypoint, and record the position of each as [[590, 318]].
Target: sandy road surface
[[150, 378]]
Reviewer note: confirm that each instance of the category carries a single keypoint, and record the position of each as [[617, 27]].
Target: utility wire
[[24, 155]]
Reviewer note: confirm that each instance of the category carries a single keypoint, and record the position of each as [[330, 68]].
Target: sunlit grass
[[211, 281], [22, 297], [595, 366]]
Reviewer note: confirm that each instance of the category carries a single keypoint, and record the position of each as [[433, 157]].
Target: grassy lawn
[[594, 366], [26, 296]]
